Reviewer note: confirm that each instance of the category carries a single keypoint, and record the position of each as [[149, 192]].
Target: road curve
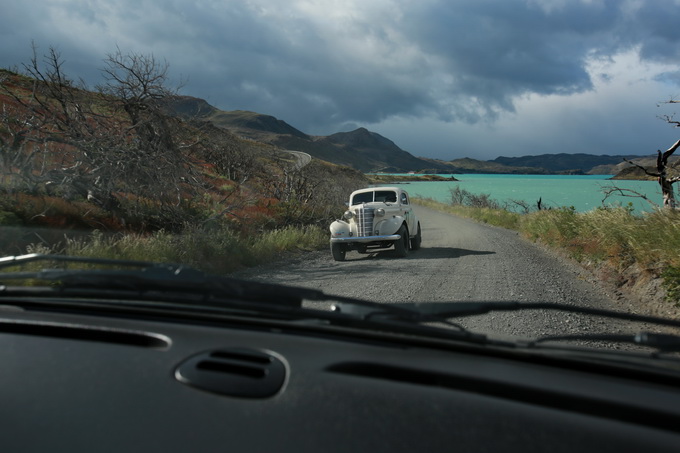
[[460, 260], [301, 159]]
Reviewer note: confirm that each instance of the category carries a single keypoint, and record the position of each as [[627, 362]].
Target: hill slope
[[361, 149], [562, 162], [371, 152]]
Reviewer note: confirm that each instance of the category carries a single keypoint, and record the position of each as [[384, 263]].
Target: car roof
[[372, 189]]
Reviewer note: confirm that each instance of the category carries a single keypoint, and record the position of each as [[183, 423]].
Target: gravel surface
[[461, 260]]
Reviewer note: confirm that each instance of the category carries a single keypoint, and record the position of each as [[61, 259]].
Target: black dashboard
[[84, 382]]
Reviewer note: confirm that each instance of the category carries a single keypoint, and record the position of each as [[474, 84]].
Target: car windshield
[[382, 196], [363, 197], [515, 160]]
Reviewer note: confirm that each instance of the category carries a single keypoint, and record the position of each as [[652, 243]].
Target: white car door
[[408, 212]]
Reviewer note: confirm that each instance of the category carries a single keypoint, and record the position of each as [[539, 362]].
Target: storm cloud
[[441, 78]]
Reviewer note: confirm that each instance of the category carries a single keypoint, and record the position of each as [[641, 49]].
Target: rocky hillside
[[371, 152], [361, 149], [625, 170]]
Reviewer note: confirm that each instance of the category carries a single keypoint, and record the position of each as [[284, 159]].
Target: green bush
[[9, 219], [671, 280]]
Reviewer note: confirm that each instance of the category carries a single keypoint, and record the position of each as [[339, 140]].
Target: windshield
[[228, 138], [382, 196]]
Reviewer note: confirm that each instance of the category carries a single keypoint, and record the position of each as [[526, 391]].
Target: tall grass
[[616, 236], [216, 251], [652, 241], [492, 216], [218, 246]]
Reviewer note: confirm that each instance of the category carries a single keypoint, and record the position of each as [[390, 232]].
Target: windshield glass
[[364, 197], [382, 196], [229, 136]]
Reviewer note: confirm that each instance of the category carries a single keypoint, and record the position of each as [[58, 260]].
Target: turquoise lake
[[583, 192]]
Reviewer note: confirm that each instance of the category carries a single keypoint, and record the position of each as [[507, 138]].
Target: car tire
[[401, 246], [338, 251], [416, 240]]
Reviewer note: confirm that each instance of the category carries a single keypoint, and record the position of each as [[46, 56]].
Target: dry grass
[[616, 236]]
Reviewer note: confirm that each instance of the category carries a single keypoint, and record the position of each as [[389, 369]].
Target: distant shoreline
[[384, 179], [404, 178]]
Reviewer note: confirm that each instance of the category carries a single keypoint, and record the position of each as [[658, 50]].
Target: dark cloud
[[323, 66]]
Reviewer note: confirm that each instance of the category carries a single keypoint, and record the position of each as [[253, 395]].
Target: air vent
[[240, 372]]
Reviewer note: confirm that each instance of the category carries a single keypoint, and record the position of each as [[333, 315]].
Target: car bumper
[[390, 237]]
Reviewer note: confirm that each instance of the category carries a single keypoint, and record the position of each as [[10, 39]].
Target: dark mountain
[[249, 124], [371, 152], [362, 138], [468, 165], [244, 121], [188, 107], [558, 163], [360, 149]]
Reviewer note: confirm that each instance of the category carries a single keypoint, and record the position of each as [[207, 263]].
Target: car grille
[[365, 221]]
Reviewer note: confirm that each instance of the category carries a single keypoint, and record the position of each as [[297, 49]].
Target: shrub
[[9, 219], [671, 280]]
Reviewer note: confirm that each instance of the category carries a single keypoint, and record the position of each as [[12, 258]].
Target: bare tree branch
[[647, 172], [614, 190]]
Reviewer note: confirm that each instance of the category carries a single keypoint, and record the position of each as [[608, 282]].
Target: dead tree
[[114, 143], [665, 180], [47, 113], [612, 190]]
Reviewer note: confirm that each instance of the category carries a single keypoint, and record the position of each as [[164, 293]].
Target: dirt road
[[460, 260]]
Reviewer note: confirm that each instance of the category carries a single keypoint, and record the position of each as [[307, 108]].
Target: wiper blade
[[9, 261], [185, 287], [442, 312], [154, 277], [661, 342], [448, 310], [164, 288], [149, 276]]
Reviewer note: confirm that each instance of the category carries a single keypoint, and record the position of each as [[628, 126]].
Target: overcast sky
[[440, 78]]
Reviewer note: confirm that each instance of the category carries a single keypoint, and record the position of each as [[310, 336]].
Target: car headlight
[[380, 212], [348, 215]]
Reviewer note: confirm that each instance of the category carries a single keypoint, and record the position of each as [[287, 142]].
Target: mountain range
[[371, 152]]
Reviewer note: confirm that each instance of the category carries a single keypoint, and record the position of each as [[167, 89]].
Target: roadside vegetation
[[110, 172], [113, 172], [646, 245], [386, 179]]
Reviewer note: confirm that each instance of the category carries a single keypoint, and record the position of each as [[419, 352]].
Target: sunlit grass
[[216, 251], [497, 217], [651, 241]]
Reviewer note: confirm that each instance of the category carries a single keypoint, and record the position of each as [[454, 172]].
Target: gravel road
[[460, 260]]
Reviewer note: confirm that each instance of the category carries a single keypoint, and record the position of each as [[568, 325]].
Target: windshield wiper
[[174, 286], [150, 277], [142, 277], [189, 288], [464, 309], [661, 342], [444, 311]]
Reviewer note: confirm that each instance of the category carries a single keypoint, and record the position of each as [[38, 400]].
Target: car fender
[[340, 229], [390, 225]]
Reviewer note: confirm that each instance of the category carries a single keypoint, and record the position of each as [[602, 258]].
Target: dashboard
[[84, 382]]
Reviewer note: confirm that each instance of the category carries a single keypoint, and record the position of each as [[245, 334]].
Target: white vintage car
[[377, 218]]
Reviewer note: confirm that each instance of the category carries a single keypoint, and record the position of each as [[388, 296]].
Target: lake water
[[583, 192]]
